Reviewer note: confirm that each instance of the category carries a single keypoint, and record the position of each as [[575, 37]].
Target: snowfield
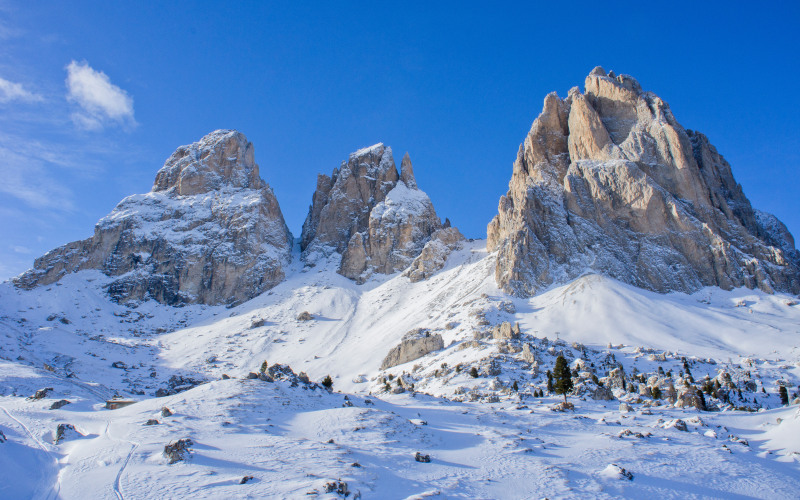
[[487, 436]]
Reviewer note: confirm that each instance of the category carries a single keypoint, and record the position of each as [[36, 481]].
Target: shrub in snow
[[327, 382], [151, 421], [246, 479], [419, 457], [339, 487], [179, 450], [264, 366], [305, 316], [473, 372], [3, 438], [166, 412], [784, 394]]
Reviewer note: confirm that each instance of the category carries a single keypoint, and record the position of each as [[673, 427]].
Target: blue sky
[[94, 96]]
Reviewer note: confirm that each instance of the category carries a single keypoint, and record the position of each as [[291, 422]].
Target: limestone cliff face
[[608, 181], [378, 220], [209, 232]]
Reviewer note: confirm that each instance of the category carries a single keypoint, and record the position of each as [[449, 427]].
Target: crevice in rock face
[[620, 188]]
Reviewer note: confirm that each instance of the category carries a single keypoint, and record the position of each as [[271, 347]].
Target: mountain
[[379, 221], [210, 232], [389, 357], [608, 181]]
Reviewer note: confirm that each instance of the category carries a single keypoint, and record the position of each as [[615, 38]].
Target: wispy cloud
[[27, 179], [10, 91], [101, 102]]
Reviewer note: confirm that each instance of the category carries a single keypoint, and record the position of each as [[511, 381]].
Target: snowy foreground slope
[[485, 438]]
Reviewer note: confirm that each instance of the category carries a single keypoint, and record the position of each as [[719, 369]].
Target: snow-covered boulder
[[415, 344]]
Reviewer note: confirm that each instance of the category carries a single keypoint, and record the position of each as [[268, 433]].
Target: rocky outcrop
[[608, 181], [414, 345], [379, 221], [505, 331], [434, 254], [210, 231]]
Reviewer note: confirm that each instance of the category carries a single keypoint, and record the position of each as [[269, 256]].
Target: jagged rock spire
[[377, 220], [407, 172]]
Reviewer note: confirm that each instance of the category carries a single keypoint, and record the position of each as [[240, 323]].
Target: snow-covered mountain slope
[[489, 436]]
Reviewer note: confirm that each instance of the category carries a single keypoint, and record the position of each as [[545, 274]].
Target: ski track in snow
[[56, 488]]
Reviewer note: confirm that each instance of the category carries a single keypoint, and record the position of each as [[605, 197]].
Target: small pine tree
[[550, 386], [514, 386], [563, 377], [784, 395], [264, 366], [656, 393], [327, 382], [473, 372]]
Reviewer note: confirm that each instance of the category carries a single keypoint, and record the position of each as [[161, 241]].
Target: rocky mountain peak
[[608, 181], [379, 221], [223, 158], [210, 231]]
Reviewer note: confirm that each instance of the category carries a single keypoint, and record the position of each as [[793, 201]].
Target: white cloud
[[100, 101], [10, 91]]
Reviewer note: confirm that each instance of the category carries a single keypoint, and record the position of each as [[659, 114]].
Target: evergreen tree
[[550, 387], [327, 382], [656, 392], [563, 377], [784, 395], [264, 366], [473, 372], [514, 386]]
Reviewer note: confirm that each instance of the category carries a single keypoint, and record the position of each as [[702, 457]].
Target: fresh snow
[[484, 440]]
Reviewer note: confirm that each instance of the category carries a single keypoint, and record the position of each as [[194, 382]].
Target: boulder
[[414, 345], [602, 393], [178, 451], [59, 404], [505, 331], [64, 431], [691, 399], [434, 254], [615, 379]]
